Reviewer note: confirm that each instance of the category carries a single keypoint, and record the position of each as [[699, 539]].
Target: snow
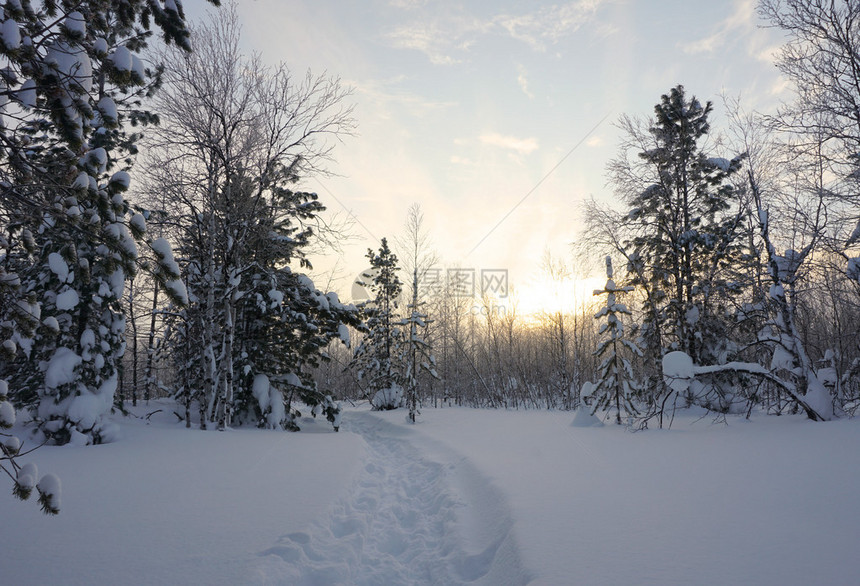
[[12, 444], [137, 67], [82, 181], [98, 158], [100, 46], [27, 475], [163, 249], [853, 269], [120, 232], [167, 505], [138, 223], [178, 289], [27, 94], [61, 368], [343, 334], [50, 487], [117, 278], [721, 163], [583, 417], [67, 300], [58, 266], [10, 34], [389, 397], [107, 108], [463, 497], [678, 370], [7, 414], [276, 296], [782, 358], [73, 65], [588, 389], [75, 23], [85, 409], [121, 179], [260, 390], [121, 58]]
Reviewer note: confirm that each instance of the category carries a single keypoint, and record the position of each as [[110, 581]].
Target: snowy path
[[414, 516]]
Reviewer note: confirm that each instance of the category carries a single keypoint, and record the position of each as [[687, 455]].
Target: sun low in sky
[[497, 117]]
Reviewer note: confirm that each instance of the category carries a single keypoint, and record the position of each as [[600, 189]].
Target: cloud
[[445, 34], [549, 24], [523, 81], [457, 160], [742, 19], [384, 94], [440, 35], [424, 39], [522, 146]]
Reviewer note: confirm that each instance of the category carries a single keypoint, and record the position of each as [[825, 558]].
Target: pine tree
[[75, 83], [684, 224], [616, 385], [379, 359]]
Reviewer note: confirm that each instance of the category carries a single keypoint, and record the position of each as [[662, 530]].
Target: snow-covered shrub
[[388, 398]]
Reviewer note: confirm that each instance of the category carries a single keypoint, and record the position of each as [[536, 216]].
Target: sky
[[498, 117]]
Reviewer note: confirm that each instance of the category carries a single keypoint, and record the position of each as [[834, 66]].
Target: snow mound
[[585, 418], [678, 371]]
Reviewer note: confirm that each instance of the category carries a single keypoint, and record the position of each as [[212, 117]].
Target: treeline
[[737, 261]]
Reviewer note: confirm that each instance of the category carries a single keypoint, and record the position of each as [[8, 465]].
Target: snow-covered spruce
[[70, 249], [379, 360], [616, 385]]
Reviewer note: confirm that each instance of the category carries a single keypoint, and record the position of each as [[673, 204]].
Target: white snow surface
[[462, 497]]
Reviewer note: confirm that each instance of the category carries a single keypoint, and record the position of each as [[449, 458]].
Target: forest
[[155, 241]]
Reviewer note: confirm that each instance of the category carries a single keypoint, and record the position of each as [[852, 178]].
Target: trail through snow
[[414, 516]]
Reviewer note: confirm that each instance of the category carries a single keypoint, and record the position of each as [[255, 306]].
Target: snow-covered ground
[[463, 497]]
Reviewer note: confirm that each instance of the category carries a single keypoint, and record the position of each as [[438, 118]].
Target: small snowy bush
[[388, 398]]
